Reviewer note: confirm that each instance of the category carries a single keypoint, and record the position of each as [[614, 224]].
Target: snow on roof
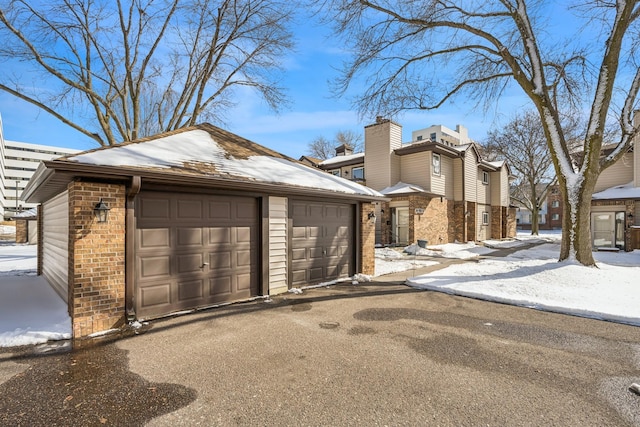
[[211, 151], [340, 159], [27, 214], [627, 191], [496, 164], [402, 188]]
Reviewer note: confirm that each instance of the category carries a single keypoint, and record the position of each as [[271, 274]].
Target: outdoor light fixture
[[371, 215], [630, 216], [101, 211]]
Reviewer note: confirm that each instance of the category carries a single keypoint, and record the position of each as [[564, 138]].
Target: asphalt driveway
[[369, 354]]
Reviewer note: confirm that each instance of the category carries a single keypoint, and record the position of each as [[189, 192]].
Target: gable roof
[[200, 155]]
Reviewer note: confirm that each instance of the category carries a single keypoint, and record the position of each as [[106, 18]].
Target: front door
[[400, 225], [603, 226]]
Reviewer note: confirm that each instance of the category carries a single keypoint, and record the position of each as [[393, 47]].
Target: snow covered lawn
[[30, 310], [534, 278]]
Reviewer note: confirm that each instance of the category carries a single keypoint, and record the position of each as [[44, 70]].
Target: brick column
[[496, 222], [22, 233], [96, 258], [472, 234], [367, 239]]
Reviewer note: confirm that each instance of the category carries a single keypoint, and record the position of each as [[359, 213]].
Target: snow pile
[[534, 278], [7, 229], [449, 250], [504, 244], [18, 260], [391, 261]]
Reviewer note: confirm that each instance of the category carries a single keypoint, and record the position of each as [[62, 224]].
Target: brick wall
[[458, 219], [367, 239], [471, 221], [511, 223], [22, 231], [496, 222], [96, 258], [436, 225]]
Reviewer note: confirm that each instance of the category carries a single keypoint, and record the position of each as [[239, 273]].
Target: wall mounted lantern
[[371, 215], [101, 211]]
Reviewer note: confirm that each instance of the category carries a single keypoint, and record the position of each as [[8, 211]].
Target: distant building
[[18, 162], [549, 215], [440, 189]]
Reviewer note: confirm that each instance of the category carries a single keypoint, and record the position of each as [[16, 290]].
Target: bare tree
[[322, 148], [119, 70], [421, 54], [523, 145]]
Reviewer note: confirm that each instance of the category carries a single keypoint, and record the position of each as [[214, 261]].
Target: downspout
[[130, 235]]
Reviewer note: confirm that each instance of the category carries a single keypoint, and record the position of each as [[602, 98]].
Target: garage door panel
[[243, 235], [219, 260], [189, 209], [220, 210], [154, 208], [315, 253], [190, 290], [189, 237], [219, 235], [243, 259], [220, 286], [299, 254], [154, 238], [206, 251], [189, 263], [156, 294], [154, 267], [299, 233]]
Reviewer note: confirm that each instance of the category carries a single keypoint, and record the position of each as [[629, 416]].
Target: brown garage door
[[194, 250], [321, 242]]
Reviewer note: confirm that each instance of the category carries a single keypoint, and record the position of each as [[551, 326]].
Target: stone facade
[[435, 225], [96, 258], [367, 239]]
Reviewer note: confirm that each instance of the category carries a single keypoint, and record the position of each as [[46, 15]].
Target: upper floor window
[[335, 172], [432, 136], [357, 174], [419, 138], [555, 217], [485, 177], [435, 162], [555, 204]]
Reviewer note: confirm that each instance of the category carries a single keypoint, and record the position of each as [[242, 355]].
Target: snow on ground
[[393, 261], [30, 310], [7, 229], [534, 278], [450, 250]]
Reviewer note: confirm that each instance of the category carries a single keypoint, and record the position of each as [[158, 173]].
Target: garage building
[[196, 217]]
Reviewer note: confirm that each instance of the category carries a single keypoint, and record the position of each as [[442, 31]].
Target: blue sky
[[312, 113]]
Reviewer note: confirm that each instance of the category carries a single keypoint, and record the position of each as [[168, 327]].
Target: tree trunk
[[576, 224], [535, 227]]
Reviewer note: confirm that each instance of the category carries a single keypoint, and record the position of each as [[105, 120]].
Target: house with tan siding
[[440, 189], [615, 205]]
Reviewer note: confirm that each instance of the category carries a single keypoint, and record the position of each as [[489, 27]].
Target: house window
[[485, 218], [335, 172], [435, 162], [357, 174], [555, 217], [555, 204], [419, 138], [432, 136], [485, 177]]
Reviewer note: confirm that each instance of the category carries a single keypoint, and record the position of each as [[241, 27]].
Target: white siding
[[446, 181], [277, 245], [416, 169], [382, 167], [55, 243], [471, 176], [457, 179], [619, 173]]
